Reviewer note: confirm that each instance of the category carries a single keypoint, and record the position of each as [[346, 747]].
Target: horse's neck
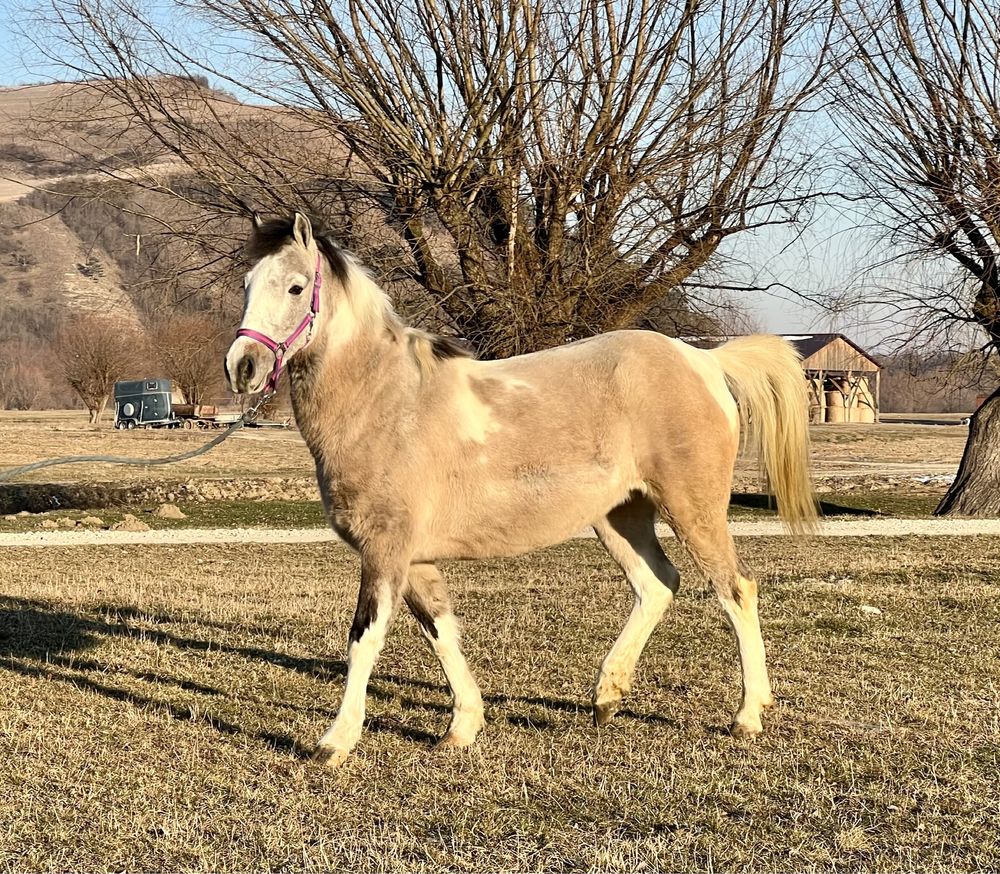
[[339, 394]]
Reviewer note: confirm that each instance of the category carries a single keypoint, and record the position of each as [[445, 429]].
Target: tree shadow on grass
[[278, 742], [39, 640], [33, 629], [766, 502], [36, 629]]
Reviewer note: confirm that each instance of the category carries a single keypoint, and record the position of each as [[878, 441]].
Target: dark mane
[[449, 347], [273, 234]]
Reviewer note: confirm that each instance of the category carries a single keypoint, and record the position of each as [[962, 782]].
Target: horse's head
[[282, 293]]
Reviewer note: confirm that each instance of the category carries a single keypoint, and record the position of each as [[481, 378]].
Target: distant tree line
[[913, 382]]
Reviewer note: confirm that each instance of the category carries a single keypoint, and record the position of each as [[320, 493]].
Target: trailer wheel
[[130, 424], [187, 425]]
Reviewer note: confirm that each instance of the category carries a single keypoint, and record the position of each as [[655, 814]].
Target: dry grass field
[[157, 705], [31, 436]]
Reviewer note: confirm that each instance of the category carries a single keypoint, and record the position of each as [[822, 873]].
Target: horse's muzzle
[[247, 366]]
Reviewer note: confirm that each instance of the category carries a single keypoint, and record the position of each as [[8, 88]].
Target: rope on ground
[[249, 415]]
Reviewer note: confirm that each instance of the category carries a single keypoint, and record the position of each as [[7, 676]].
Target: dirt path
[[767, 528], [15, 187]]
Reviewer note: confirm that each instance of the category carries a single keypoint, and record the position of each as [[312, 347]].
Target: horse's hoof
[[330, 757], [604, 713], [745, 729], [454, 741]]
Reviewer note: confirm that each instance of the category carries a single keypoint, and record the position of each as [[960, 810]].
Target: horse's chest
[[346, 531], [363, 519]]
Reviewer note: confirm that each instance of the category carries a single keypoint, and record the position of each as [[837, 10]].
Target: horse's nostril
[[244, 371]]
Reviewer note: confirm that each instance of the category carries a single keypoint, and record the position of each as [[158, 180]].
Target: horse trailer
[[144, 403], [148, 403]]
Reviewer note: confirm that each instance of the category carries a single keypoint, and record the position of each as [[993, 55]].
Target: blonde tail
[[765, 376]]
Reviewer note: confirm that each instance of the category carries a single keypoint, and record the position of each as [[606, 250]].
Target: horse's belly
[[530, 511]]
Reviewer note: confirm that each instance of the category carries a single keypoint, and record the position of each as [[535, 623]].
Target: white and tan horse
[[423, 454]]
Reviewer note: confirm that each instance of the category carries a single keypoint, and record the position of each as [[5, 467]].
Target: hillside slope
[[65, 252], [61, 135]]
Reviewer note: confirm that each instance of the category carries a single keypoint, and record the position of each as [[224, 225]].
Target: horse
[[424, 453]]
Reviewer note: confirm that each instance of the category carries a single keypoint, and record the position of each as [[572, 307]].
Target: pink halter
[[279, 349]]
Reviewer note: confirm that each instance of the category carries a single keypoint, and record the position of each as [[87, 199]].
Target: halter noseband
[[279, 349]]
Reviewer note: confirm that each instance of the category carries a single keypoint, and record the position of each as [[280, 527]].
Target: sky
[[825, 257], [12, 68]]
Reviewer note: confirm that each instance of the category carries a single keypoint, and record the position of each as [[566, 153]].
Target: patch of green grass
[[309, 514], [886, 502], [248, 514], [856, 502], [207, 514]]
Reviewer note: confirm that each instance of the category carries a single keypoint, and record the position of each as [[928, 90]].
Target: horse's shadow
[[38, 640]]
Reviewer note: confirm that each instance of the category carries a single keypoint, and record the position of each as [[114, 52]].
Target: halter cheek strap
[[279, 349]]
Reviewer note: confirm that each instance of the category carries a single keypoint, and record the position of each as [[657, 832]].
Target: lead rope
[[248, 416]]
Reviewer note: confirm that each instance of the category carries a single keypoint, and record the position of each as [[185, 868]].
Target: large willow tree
[[921, 98], [542, 170]]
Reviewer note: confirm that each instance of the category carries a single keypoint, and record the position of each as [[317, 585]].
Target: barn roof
[[807, 345]]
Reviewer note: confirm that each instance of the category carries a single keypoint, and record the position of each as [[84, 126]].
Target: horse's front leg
[[382, 585]]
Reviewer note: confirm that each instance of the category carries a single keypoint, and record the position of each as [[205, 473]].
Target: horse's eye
[[295, 289]]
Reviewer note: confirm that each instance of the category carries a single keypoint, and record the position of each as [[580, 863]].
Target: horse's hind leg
[[708, 540], [427, 598], [628, 533]]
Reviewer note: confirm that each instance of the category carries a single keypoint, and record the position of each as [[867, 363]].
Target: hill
[[75, 238], [99, 214]]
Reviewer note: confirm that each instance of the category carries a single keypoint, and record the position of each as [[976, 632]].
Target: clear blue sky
[[20, 63], [12, 70]]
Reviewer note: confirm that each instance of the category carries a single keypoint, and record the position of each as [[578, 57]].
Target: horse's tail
[[764, 374]]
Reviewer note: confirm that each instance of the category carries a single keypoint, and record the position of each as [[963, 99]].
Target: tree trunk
[[976, 490], [97, 411]]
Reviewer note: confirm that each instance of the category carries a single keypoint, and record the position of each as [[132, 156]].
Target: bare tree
[[677, 316], [189, 347], [23, 380], [923, 107], [541, 170], [95, 351]]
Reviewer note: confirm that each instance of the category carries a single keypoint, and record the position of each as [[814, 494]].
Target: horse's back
[[619, 375], [540, 445]]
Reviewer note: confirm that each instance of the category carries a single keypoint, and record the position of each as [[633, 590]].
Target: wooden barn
[[843, 378]]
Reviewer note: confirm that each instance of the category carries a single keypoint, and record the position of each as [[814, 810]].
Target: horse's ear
[[302, 229], [258, 222]]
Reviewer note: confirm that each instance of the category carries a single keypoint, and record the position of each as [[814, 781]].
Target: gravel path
[[767, 528]]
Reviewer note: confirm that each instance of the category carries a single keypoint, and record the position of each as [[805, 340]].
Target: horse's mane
[[271, 235]]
